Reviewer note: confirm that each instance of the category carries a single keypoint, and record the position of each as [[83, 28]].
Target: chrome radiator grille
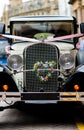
[[37, 53]]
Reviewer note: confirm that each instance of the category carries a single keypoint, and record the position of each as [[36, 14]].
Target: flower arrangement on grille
[[44, 70]]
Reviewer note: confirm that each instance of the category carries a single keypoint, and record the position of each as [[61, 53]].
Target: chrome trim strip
[[10, 96]]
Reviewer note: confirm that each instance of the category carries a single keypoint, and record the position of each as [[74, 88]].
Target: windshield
[[54, 29]]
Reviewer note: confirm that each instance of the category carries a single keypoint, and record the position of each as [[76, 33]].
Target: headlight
[[66, 61], [14, 61]]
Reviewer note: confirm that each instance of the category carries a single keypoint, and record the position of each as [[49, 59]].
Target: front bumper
[[41, 96]]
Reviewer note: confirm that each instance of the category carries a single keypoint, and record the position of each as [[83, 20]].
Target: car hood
[[19, 47]]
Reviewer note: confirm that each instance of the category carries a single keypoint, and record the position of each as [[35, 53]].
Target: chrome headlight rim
[[66, 61], [14, 61]]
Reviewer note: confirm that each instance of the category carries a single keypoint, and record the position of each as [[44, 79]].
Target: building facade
[[13, 3], [78, 9], [34, 7]]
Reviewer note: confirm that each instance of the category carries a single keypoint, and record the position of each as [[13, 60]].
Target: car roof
[[41, 18]]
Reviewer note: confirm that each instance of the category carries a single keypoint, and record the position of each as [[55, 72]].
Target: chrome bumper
[[41, 96]]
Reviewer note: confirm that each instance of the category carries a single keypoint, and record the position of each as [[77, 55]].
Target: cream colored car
[[43, 69]]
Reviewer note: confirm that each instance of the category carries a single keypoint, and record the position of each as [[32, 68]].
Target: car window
[[3, 54]]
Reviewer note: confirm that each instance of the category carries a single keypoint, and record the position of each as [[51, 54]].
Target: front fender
[[7, 79], [77, 78]]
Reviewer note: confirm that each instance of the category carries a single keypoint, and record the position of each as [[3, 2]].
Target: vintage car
[[43, 64]]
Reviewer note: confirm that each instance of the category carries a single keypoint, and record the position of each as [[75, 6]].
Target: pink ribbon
[[65, 37], [36, 41]]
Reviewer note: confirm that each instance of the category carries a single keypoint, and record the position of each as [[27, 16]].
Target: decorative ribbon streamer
[[20, 38], [65, 37], [37, 41]]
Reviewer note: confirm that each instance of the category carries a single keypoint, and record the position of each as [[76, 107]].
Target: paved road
[[41, 117]]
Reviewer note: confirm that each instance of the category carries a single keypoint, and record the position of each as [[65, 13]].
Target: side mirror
[[82, 27], [2, 28]]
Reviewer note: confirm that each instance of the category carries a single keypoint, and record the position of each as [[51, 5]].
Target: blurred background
[[11, 8]]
